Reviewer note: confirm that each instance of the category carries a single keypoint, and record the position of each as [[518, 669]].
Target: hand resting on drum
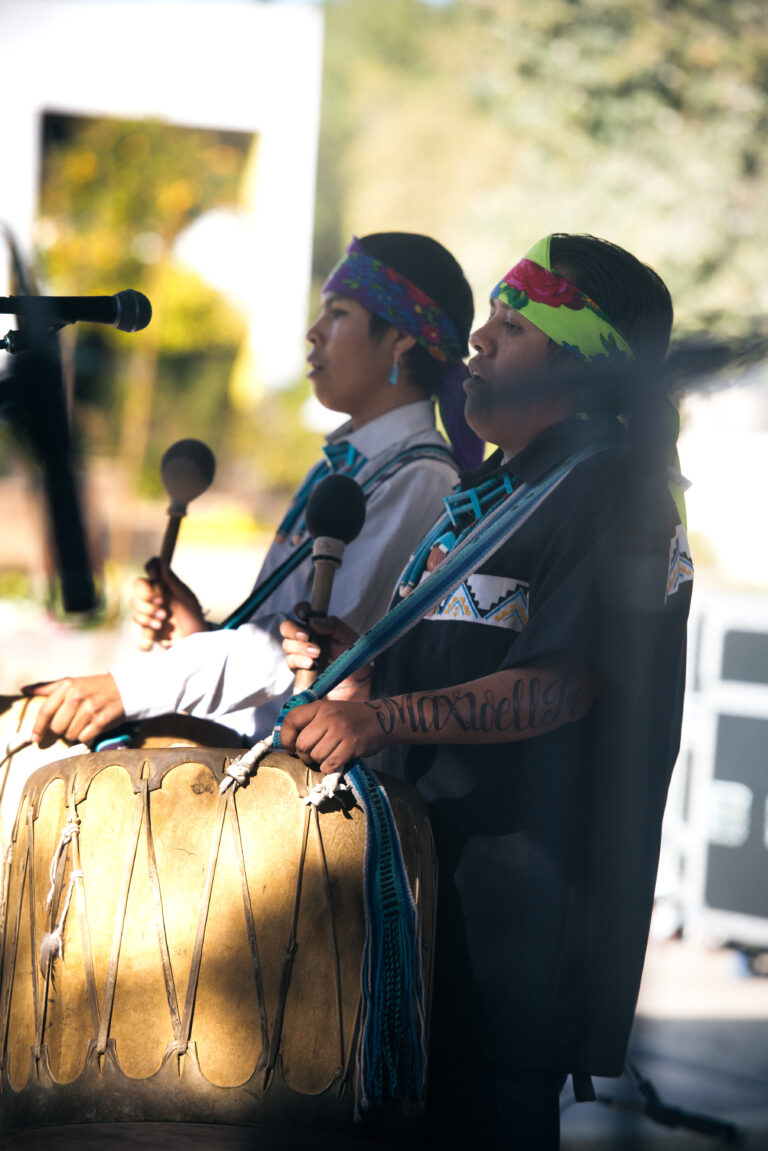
[[328, 734], [301, 652], [166, 605], [76, 708], [333, 731]]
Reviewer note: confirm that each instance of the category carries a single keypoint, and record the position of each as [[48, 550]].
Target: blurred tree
[[115, 197], [115, 194], [490, 122]]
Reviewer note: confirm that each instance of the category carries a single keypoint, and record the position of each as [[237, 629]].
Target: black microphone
[[334, 516], [336, 509], [128, 311]]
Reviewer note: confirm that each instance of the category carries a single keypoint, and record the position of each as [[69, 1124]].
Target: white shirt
[[239, 677]]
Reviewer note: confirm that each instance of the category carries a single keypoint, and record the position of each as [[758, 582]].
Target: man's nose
[[481, 339]]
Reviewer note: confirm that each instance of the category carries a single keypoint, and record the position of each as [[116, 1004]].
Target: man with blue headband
[[536, 701], [388, 342]]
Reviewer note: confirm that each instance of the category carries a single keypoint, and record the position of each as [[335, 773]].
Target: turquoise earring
[[393, 375]]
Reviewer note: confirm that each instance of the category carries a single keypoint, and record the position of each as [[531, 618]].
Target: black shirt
[[548, 847]]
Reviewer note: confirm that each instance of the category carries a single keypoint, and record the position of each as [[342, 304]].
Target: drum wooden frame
[[211, 944]]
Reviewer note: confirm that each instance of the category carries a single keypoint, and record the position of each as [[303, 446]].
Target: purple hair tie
[[468, 448]]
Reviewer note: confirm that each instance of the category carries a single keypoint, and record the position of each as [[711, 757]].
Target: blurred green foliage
[[116, 194], [115, 198], [492, 122]]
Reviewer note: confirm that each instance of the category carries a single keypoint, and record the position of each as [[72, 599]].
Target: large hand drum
[[211, 948]]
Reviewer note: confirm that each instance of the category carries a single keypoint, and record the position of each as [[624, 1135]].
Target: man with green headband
[[537, 706]]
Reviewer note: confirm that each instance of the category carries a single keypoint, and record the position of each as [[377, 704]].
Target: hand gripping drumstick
[[186, 469], [335, 515]]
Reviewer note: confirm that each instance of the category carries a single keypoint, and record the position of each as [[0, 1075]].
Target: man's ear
[[403, 343]]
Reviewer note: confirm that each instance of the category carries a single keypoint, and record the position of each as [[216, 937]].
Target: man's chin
[[478, 412]]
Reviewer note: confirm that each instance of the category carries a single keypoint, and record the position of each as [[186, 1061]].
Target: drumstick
[[186, 469], [335, 515]]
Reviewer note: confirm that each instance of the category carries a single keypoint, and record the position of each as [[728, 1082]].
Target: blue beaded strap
[[391, 1058], [343, 458], [391, 1053], [464, 505], [485, 538], [264, 590]]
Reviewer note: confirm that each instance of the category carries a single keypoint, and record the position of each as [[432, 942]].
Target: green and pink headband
[[397, 300], [557, 307]]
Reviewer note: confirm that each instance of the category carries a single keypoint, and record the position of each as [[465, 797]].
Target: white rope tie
[[52, 946], [70, 829], [241, 769], [327, 788]]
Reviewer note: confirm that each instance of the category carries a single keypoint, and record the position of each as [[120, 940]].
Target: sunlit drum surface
[[211, 944]]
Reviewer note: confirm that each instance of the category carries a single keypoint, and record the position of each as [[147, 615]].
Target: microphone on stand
[[186, 469], [335, 515], [128, 311]]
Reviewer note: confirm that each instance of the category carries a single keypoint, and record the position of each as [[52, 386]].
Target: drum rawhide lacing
[[11, 749], [51, 946], [240, 770]]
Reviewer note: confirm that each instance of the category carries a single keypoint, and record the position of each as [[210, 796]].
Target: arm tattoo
[[533, 705]]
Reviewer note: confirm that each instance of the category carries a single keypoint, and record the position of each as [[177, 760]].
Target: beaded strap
[[264, 590]]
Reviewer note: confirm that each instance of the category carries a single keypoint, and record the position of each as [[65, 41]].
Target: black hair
[[633, 296], [637, 302], [431, 267]]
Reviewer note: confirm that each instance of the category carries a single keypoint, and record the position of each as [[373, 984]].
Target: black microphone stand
[[651, 1105], [32, 398]]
